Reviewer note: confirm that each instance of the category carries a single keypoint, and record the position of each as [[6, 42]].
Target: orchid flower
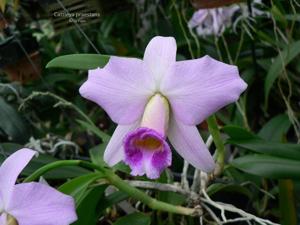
[[158, 98], [214, 21], [31, 203]]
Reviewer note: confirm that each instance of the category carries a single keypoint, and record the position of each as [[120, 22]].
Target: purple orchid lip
[[146, 152]]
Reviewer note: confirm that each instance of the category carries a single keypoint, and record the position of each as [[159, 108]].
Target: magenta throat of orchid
[[146, 152]]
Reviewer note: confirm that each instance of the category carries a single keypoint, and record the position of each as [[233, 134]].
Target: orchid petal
[[198, 18], [200, 87], [158, 162], [188, 143], [36, 204], [122, 88], [3, 219], [160, 55], [114, 151], [10, 170]]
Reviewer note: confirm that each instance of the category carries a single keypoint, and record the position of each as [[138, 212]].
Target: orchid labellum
[[158, 98]]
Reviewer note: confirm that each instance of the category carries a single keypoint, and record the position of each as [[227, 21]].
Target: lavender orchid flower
[[30, 203], [156, 98], [215, 21], [212, 21]]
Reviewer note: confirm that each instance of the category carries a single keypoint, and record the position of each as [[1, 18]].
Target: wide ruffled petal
[[114, 151], [198, 88], [10, 170], [188, 143], [122, 88], [160, 56], [36, 204]]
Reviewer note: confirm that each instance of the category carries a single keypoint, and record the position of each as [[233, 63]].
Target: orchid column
[[158, 98]]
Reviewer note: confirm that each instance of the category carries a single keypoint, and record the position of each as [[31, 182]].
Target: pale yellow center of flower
[[148, 143], [11, 220]]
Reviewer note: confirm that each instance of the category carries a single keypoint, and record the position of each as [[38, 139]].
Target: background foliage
[[261, 131]]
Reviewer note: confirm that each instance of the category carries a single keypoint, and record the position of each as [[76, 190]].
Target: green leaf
[[234, 188], [87, 210], [264, 36], [37, 162], [268, 166], [134, 219], [287, 55], [289, 151], [245, 139], [92, 128], [238, 133], [274, 129], [79, 61], [122, 167], [239, 176], [12, 123], [77, 186], [96, 154], [54, 78], [171, 197], [279, 16], [112, 199]]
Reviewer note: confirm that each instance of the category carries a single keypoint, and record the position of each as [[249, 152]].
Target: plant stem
[[183, 29], [151, 202], [287, 202], [227, 49], [253, 53], [239, 47], [220, 151], [120, 184], [62, 163], [218, 49], [198, 46], [65, 103]]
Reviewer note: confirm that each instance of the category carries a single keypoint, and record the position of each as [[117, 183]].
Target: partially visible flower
[[214, 21], [158, 98], [31, 203], [257, 7]]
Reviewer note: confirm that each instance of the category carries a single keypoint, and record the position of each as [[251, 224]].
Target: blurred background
[[41, 107]]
